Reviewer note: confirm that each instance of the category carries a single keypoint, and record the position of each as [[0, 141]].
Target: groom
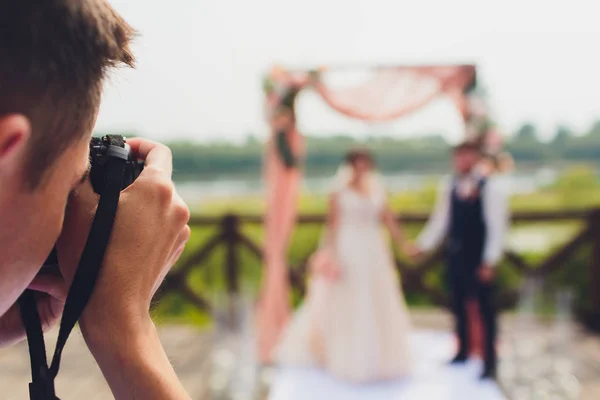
[[472, 214]]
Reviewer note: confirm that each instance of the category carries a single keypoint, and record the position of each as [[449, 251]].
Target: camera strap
[[42, 375]]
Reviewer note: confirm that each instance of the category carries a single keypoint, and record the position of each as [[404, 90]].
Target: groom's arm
[[496, 215], [437, 225]]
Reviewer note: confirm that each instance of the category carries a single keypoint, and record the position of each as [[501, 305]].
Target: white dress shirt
[[495, 213]]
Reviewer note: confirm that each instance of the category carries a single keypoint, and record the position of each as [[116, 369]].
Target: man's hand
[[412, 251], [51, 296], [487, 273], [149, 235]]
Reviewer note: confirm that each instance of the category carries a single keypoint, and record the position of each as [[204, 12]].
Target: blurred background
[[199, 88]]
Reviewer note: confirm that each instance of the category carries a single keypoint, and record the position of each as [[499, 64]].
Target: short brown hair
[[54, 55], [359, 154]]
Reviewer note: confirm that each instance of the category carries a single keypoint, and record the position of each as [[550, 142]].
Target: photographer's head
[[54, 55]]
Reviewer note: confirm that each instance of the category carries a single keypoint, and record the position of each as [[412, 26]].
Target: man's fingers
[[179, 245], [141, 147], [180, 214], [486, 274], [180, 210], [157, 157], [54, 285], [174, 254]]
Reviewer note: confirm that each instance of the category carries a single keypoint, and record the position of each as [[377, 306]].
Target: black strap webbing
[[91, 260], [38, 388], [42, 385]]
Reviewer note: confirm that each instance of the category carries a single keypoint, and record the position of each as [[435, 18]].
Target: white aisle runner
[[431, 380]]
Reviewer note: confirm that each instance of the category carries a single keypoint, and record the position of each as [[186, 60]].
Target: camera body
[[101, 150]]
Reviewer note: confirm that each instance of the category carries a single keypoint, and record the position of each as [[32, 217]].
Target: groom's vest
[[467, 230]]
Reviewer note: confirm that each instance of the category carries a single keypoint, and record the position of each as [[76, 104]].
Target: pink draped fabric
[[283, 188], [395, 92]]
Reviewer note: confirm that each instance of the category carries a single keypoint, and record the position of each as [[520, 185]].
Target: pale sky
[[201, 62]]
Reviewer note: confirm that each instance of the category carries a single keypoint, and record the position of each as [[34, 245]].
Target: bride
[[354, 322]]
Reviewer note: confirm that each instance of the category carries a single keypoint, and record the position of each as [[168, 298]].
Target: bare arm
[[332, 222], [133, 361], [324, 262], [394, 227]]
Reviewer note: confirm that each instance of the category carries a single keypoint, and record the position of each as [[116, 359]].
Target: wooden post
[[230, 236], [594, 273]]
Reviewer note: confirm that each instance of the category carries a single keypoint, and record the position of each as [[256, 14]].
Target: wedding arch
[[390, 92]]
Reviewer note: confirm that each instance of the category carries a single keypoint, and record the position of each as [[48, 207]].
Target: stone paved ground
[[190, 350], [582, 349], [80, 377]]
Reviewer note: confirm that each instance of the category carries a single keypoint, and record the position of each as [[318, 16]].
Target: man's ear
[[15, 134]]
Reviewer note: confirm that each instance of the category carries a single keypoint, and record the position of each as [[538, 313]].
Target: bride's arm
[[332, 222], [394, 227], [324, 261]]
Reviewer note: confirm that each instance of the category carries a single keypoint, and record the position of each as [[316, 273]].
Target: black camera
[[101, 149], [104, 147]]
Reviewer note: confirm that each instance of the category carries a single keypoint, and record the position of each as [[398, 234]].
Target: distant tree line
[[429, 153]]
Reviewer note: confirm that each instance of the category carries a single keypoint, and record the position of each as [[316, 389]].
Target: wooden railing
[[230, 236]]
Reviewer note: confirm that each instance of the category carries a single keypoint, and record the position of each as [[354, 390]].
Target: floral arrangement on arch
[[480, 126], [281, 87]]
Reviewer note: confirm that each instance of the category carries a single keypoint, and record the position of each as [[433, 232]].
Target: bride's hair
[[344, 172], [359, 154]]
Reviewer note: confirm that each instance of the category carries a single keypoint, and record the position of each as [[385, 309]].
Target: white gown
[[358, 327]]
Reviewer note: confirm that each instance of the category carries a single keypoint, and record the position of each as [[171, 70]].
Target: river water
[[522, 238], [195, 192]]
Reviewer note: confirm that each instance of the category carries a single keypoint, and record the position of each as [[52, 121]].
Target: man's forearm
[[134, 364], [437, 225], [492, 257], [496, 215], [432, 234]]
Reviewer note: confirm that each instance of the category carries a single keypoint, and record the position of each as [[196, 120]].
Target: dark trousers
[[465, 285]]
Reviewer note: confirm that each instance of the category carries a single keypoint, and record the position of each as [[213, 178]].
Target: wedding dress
[[358, 326]]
